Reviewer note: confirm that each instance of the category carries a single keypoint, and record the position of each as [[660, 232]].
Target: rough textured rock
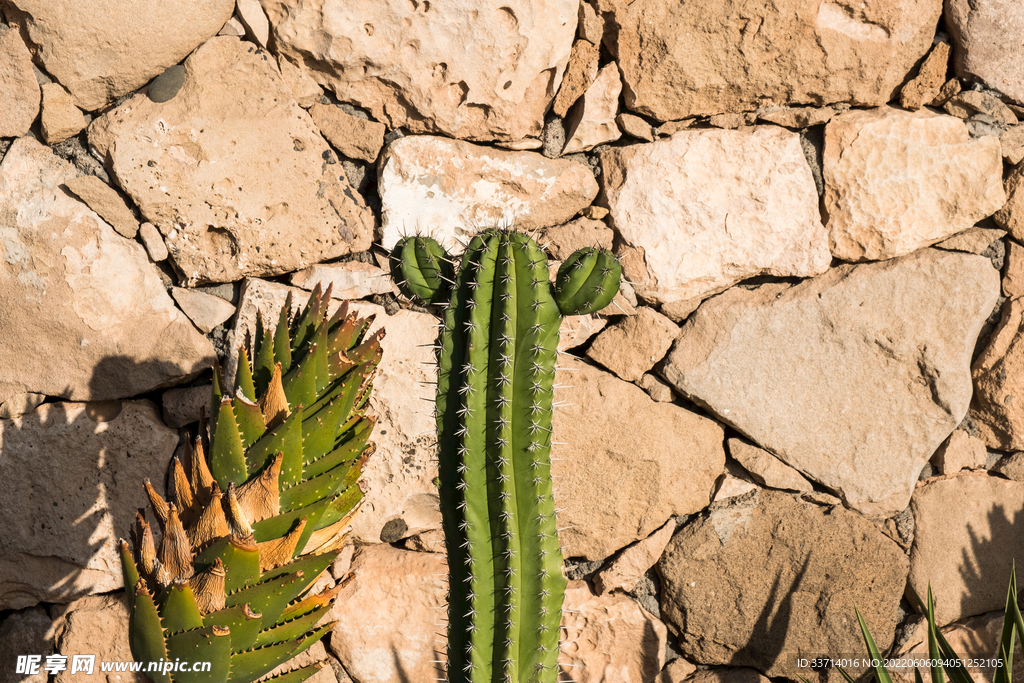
[[105, 201], [580, 73], [354, 137], [685, 59], [609, 637], [204, 310], [929, 80], [796, 117], [590, 24], [967, 532], [635, 126], [255, 21], [100, 52], [1011, 215], [405, 462], [725, 675], [1013, 270], [562, 240], [896, 181], [19, 97], [632, 563], [451, 188], [95, 624], [21, 633], [765, 468], [729, 485], [710, 208], [896, 336], [998, 372], [153, 241], [632, 346], [75, 290], [61, 118], [351, 280], [620, 477], [232, 171], [657, 389], [182, 406], [478, 71], [677, 671], [61, 544], [972, 240], [966, 104], [19, 404], [1012, 142], [960, 451], [1011, 467], [986, 37], [304, 89], [760, 577], [593, 122], [948, 89]]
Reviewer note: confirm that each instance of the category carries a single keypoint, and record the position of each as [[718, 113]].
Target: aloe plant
[[494, 412], [249, 528]]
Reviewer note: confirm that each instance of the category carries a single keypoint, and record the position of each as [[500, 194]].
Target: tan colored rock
[[897, 336], [183, 406], [727, 675], [596, 213], [976, 638], [593, 123], [930, 78], [153, 241], [896, 181], [431, 541], [732, 121], [96, 624], [578, 329], [960, 451], [998, 407], [350, 280], [949, 88], [632, 346], [304, 89], [628, 463], [672, 127], [632, 563], [609, 635], [27, 632], [677, 671], [796, 117], [765, 468], [450, 189], [61, 118], [580, 74], [238, 185], [354, 137], [99, 52], [1011, 467], [731, 486], [463, 69], [204, 310], [232, 27], [590, 25], [19, 404], [1012, 143], [658, 390], [680, 59], [965, 539], [107, 316], [19, 97], [105, 201], [635, 126], [562, 240], [63, 545], [1011, 215], [255, 21], [405, 463], [760, 573], [972, 240], [966, 104], [1013, 270], [985, 35], [712, 207]]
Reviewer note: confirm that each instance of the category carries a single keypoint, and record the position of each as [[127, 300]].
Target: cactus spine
[[494, 411]]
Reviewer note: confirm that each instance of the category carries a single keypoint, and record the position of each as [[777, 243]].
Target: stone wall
[[803, 400]]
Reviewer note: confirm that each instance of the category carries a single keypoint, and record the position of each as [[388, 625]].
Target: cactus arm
[[421, 269], [587, 281]]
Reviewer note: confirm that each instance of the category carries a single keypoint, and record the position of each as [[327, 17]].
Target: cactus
[[494, 411], [249, 529]]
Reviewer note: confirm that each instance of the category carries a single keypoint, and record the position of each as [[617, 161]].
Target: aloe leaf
[[880, 671]]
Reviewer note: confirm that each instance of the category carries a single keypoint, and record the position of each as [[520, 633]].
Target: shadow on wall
[[768, 637], [985, 567]]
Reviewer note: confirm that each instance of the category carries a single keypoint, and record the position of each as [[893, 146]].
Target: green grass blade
[[880, 671]]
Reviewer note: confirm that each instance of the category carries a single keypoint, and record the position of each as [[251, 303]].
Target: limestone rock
[[635, 126], [204, 310], [628, 463], [966, 534], [21, 633], [997, 408], [304, 89], [1011, 467], [966, 104], [562, 240], [929, 80], [729, 485], [972, 240], [1011, 215], [797, 117], [351, 280], [470, 70], [960, 451], [19, 97], [609, 635], [1012, 143], [712, 207], [105, 201], [76, 291], [99, 51], [657, 389], [232, 27], [987, 49], [896, 181], [765, 468], [405, 463], [19, 404], [576, 330], [95, 624], [758, 578], [232, 171], [354, 137], [580, 73], [677, 671], [949, 88], [63, 545], [449, 189], [727, 675], [732, 121], [593, 123], [689, 59], [632, 563], [183, 406], [672, 127], [255, 20], [1013, 270], [153, 241], [632, 346], [590, 25], [61, 118], [897, 336]]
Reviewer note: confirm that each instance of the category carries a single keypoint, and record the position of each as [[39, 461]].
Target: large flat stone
[[231, 170], [83, 299], [854, 378], [988, 47]]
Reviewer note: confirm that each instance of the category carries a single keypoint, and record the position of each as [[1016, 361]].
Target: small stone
[[354, 137], [657, 389], [61, 118], [998, 409], [304, 89], [350, 280], [629, 566], [252, 16], [184, 406], [632, 346], [766, 469], [96, 624], [670, 128], [153, 241], [589, 24], [679, 311], [1011, 466], [1013, 270], [633, 125], [593, 123], [105, 201], [27, 632], [966, 104], [925, 86], [577, 330], [562, 240], [948, 90], [732, 121], [1011, 215], [797, 117], [596, 213], [579, 75], [204, 310], [431, 541], [233, 27], [165, 86], [960, 451], [972, 240], [1012, 142], [677, 671], [731, 486], [20, 95]]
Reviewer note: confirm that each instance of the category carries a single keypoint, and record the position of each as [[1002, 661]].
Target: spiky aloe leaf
[[230, 571]]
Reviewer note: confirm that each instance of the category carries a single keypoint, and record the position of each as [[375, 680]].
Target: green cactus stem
[[494, 412]]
